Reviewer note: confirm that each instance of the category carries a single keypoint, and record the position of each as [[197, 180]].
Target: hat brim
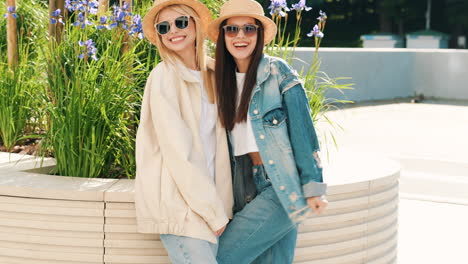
[[269, 27], [149, 29]]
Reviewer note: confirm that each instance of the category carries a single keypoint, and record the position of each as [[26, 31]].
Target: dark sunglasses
[[232, 30], [180, 22]]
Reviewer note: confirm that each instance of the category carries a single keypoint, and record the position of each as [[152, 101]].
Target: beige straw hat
[[149, 29], [248, 8]]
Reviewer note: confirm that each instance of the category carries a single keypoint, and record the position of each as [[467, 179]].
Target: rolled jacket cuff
[[313, 189]]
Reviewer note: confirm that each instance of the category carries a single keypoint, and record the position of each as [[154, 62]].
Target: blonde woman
[[183, 188]]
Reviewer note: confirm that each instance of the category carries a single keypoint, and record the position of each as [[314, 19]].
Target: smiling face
[[177, 40], [241, 46]]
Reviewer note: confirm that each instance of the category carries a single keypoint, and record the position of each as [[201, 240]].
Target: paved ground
[[430, 140]]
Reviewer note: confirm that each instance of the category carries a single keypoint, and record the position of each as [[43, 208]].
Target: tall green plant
[[93, 93], [19, 86], [3, 30], [32, 18], [16, 98], [316, 82]]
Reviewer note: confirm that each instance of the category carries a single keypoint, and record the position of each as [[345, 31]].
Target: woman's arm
[[303, 139]]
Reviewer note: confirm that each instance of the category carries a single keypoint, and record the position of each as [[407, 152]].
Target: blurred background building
[[348, 20]]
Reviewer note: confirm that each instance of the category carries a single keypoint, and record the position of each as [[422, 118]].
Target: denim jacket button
[[255, 111], [262, 136], [271, 162], [275, 121], [282, 187]]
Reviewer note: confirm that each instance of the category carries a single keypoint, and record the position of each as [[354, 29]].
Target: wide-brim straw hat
[[149, 29], [247, 8]]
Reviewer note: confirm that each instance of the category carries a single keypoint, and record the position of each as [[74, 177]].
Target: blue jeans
[[261, 232], [187, 250]]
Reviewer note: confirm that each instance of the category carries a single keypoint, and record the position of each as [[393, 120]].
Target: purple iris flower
[[68, 5], [278, 7], [81, 5], [12, 11], [125, 6], [82, 21], [89, 6], [103, 23], [90, 51], [56, 17], [136, 27], [301, 5], [316, 32], [72, 5], [322, 17], [56, 13], [93, 7], [118, 17]]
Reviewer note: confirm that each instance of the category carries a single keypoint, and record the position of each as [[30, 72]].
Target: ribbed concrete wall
[[53, 219]]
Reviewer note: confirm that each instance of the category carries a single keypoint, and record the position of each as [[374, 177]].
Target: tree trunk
[[126, 37], [103, 7], [401, 27], [51, 26], [56, 30], [60, 4], [12, 37], [385, 22]]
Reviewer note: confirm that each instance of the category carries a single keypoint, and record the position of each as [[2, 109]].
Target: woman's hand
[[317, 204], [220, 231]]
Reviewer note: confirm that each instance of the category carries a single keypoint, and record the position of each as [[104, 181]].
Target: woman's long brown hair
[[226, 84]]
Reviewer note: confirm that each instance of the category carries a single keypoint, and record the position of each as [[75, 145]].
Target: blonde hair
[[200, 49]]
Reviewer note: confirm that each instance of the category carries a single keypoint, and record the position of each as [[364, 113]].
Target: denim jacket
[[285, 136]]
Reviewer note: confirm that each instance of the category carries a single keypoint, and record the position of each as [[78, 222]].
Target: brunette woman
[[263, 105]]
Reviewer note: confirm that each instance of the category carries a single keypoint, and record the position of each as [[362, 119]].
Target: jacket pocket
[[276, 129], [274, 118]]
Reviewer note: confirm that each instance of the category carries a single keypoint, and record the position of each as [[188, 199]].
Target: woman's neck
[[188, 58], [242, 64]]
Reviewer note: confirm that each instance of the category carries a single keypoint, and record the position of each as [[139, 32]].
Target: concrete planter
[[55, 219], [427, 40], [382, 41]]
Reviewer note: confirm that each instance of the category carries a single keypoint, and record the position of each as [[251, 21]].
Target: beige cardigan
[[173, 190]]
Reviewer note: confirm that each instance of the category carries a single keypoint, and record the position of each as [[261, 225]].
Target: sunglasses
[[180, 22], [232, 30]]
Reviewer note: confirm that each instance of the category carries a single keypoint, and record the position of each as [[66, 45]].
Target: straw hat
[[149, 20], [249, 8]]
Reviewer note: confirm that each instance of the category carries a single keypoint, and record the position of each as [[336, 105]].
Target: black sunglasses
[[180, 22], [232, 30]]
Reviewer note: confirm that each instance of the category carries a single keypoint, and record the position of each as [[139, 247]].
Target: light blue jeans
[[261, 232], [187, 250]]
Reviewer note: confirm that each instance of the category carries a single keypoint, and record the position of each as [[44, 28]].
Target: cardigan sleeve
[[175, 140]]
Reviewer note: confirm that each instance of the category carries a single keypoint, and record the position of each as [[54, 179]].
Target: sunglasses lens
[[231, 31], [250, 30], [163, 27], [182, 22]]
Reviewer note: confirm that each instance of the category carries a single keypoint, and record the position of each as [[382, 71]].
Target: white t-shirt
[[208, 120], [242, 137]]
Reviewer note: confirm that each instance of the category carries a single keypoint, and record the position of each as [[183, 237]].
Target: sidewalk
[[430, 140]]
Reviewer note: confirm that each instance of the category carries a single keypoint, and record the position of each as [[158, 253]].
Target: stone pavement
[[430, 140]]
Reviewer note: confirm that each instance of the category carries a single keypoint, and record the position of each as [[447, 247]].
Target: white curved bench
[[54, 219]]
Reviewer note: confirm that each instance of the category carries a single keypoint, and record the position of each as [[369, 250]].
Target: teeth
[[240, 45], [177, 39]]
